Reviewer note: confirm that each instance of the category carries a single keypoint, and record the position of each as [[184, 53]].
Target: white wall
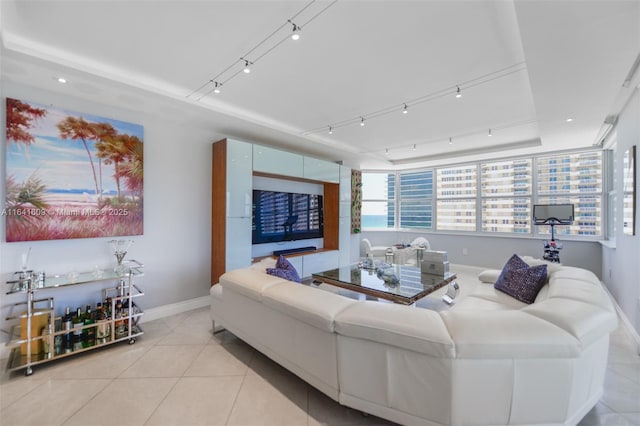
[[175, 247], [622, 263], [493, 252]]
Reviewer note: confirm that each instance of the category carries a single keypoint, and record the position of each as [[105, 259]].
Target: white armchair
[[366, 248], [421, 242]]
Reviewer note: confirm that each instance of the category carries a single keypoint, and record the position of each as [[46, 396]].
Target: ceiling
[[523, 68]]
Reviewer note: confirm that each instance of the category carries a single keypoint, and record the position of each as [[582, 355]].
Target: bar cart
[[38, 337]]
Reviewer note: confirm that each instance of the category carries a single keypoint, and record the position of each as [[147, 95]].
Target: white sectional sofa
[[490, 360]]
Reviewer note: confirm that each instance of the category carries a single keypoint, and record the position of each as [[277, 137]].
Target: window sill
[[610, 244]]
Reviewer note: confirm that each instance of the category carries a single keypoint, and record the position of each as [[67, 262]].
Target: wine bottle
[[78, 322], [67, 322], [88, 333]]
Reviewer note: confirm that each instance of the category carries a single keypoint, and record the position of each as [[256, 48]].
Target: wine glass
[[120, 248]]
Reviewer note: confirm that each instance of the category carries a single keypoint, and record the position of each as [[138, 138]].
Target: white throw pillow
[[263, 264], [490, 276]]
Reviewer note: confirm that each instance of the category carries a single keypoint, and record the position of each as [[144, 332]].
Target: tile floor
[[177, 373]]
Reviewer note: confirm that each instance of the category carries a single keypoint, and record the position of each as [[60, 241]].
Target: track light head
[[490, 134], [362, 121], [246, 69], [405, 110], [450, 141], [458, 94], [217, 86], [296, 31], [330, 130], [414, 147]]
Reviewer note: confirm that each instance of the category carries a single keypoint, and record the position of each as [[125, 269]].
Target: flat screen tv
[[556, 214], [286, 216]]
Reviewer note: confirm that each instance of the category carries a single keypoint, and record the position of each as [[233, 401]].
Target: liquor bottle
[[47, 337], [119, 321], [89, 333], [67, 323], [78, 322], [103, 332], [108, 306]]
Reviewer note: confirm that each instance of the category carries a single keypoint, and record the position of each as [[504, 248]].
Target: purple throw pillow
[[521, 281], [284, 273], [284, 269]]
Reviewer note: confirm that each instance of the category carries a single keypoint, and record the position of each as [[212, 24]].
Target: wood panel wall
[[218, 210]]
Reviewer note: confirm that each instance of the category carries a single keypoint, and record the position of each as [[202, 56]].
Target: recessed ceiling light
[[569, 120], [62, 80]]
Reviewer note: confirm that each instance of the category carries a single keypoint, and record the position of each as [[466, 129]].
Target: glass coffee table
[[412, 285]]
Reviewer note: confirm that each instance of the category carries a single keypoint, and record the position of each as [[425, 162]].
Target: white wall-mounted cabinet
[[277, 162], [345, 216], [345, 192], [321, 170], [239, 178], [238, 254]]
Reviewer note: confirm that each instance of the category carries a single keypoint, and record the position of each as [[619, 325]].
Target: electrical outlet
[[465, 251]]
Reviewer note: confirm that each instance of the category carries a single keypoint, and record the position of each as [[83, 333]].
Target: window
[[582, 173], [416, 199], [506, 196], [456, 198], [378, 200], [492, 196]]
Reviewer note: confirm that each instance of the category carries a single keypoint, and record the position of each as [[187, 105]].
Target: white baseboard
[[149, 315], [175, 308], [625, 321]]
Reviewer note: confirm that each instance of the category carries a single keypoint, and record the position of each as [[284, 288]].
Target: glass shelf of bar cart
[[39, 281]]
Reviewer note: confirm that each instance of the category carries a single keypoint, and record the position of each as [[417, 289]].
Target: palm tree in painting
[[102, 133], [20, 118], [113, 150], [78, 129], [133, 171], [26, 195]]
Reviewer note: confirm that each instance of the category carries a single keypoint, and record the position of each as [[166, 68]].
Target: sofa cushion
[[584, 321], [249, 282], [520, 280], [419, 330], [310, 305], [508, 334]]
